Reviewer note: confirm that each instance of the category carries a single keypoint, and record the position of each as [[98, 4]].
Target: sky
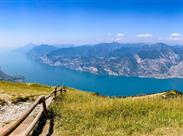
[[90, 21]]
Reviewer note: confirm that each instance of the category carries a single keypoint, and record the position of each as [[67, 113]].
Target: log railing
[[40, 100]]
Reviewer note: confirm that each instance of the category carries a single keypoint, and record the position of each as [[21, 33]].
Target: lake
[[15, 63]]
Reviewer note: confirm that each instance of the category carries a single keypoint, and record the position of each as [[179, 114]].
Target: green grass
[[80, 113], [85, 114], [20, 92]]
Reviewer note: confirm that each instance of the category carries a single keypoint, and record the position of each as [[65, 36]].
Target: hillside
[[157, 60], [16, 90], [83, 113]]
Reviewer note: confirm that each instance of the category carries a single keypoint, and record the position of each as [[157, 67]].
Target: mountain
[[5, 77], [63, 45], [31, 46], [157, 60], [38, 51], [25, 49]]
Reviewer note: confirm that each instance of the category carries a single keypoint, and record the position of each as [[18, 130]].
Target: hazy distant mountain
[[139, 59], [39, 51], [63, 45], [25, 49], [28, 47], [5, 77]]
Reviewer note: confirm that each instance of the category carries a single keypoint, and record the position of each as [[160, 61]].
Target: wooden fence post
[[44, 106], [60, 90], [55, 91]]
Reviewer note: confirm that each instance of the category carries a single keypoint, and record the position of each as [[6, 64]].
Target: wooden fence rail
[[40, 100]]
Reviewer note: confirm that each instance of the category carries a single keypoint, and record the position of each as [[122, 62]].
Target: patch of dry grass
[[19, 92], [85, 114]]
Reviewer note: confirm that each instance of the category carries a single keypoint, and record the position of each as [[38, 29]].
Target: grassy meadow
[[17, 92], [79, 113], [86, 114]]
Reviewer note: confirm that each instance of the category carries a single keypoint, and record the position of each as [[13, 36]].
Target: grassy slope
[[85, 114], [80, 113], [21, 91]]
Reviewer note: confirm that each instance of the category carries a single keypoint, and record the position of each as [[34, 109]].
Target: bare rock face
[[143, 60], [176, 70]]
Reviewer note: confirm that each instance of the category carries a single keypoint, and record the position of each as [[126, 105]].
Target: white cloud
[[119, 36], [146, 35], [175, 36]]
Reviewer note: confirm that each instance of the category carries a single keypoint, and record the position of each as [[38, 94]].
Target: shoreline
[[113, 75]]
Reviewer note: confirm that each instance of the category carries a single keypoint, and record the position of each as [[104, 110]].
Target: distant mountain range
[[6, 77], [157, 60], [25, 49]]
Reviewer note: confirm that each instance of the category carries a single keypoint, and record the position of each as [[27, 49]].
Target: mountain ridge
[[157, 60]]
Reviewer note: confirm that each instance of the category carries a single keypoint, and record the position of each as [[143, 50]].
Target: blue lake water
[[18, 64]]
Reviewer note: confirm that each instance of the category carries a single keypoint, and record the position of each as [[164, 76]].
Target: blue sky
[[90, 21]]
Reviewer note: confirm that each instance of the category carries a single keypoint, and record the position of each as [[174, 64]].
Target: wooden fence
[[45, 101]]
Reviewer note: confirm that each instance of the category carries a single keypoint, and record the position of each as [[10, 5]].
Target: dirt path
[[15, 112], [10, 112]]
